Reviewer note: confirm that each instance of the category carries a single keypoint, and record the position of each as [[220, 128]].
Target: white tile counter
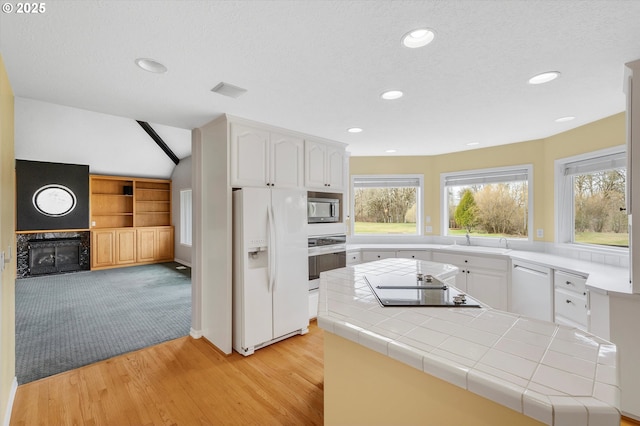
[[605, 278], [554, 374]]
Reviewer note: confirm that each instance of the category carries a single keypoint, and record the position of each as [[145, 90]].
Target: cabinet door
[[164, 244], [146, 242], [335, 168], [489, 287], [125, 246], [286, 161], [249, 156], [103, 248], [315, 166]]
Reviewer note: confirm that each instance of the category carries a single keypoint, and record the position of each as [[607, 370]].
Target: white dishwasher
[[531, 290]]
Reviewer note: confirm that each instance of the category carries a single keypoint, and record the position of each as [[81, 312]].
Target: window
[[387, 205], [488, 203], [590, 195], [185, 217]]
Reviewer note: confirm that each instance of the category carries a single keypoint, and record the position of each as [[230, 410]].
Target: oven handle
[[334, 248]]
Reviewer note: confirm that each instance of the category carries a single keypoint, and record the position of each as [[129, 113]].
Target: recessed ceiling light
[[151, 65], [473, 143], [563, 119], [354, 130], [390, 151], [418, 38], [391, 94], [545, 77]]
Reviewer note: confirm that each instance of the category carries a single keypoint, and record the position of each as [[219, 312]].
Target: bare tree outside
[[490, 210], [385, 210], [599, 215]]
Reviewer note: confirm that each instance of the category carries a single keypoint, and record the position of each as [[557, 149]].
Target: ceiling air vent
[[227, 89]]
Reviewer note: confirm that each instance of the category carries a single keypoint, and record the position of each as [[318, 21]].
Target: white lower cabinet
[[368, 256], [571, 300], [485, 278], [354, 257], [313, 304], [414, 254]]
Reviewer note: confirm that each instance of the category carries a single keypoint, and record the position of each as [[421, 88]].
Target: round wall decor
[[54, 200]]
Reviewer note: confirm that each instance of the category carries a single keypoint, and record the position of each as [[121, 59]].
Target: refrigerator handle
[[270, 246], [274, 256]]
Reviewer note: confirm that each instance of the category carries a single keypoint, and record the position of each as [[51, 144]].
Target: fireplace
[[54, 255]]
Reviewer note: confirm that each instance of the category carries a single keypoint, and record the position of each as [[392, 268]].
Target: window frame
[[564, 206], [515, 169], [398, 176]]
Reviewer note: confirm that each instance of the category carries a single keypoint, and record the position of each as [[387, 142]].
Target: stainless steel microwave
[[323, 210]]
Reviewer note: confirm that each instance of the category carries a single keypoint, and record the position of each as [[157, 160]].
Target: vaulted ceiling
[[319, 67]]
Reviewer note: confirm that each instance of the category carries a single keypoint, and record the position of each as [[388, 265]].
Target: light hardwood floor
[[186, 382]]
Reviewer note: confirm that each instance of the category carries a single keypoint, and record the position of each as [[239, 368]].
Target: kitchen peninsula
[[451, 366]]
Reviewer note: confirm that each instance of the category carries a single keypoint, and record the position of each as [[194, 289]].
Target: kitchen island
[[454, 365]]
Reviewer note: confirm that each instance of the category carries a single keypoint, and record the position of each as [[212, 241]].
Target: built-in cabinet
[[262, 158], [130, 221], [482, 277], [324, 166]]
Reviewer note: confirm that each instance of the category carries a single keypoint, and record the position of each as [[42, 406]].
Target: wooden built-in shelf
[[130, 221]]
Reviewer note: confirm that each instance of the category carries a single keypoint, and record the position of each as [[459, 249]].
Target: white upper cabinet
[[261, 158], [286, 161], [324, 166]]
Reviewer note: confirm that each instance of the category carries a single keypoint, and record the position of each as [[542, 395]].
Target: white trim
[[564, 227], [419, 204], [444, 204], [196, 334], [182, 262], [12, 397]]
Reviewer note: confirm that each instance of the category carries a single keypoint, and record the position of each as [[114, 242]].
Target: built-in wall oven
[[326, 252]]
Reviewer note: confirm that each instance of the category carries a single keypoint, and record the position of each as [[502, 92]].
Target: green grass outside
[[603, 238], [385, 228], [600, 238]]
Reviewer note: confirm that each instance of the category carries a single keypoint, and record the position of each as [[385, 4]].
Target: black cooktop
[[408, 290]]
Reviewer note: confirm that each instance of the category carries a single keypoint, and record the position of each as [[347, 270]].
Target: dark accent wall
[[32, 176]]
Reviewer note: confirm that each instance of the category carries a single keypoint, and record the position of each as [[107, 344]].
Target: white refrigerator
[[270, 267]]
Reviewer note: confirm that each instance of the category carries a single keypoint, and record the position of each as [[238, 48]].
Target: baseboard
[[629, 418], [196, 334], [182, 262], [12, 396]]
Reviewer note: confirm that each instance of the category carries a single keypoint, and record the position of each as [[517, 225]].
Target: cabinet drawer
[[368, 256], [571, 305], [571, 282], [353, 258], [414, 254]]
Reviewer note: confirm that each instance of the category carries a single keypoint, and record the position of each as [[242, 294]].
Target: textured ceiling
[[319, 66]]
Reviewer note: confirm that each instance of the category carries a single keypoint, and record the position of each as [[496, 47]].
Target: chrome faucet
[[506, 243], [468, 239]]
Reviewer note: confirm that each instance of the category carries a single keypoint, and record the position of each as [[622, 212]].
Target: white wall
[[180, 180], [109, 144]]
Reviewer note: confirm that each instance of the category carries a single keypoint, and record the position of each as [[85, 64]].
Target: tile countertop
[[601, 277], [553, 373]]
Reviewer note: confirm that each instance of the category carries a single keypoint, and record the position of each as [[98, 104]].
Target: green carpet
[[70, 320]]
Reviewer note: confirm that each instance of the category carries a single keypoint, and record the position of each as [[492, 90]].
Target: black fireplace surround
[[52, 209], [52, 253]]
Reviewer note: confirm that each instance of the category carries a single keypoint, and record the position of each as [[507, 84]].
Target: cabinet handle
[[569, 301], [466, 261], [569, 283]]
